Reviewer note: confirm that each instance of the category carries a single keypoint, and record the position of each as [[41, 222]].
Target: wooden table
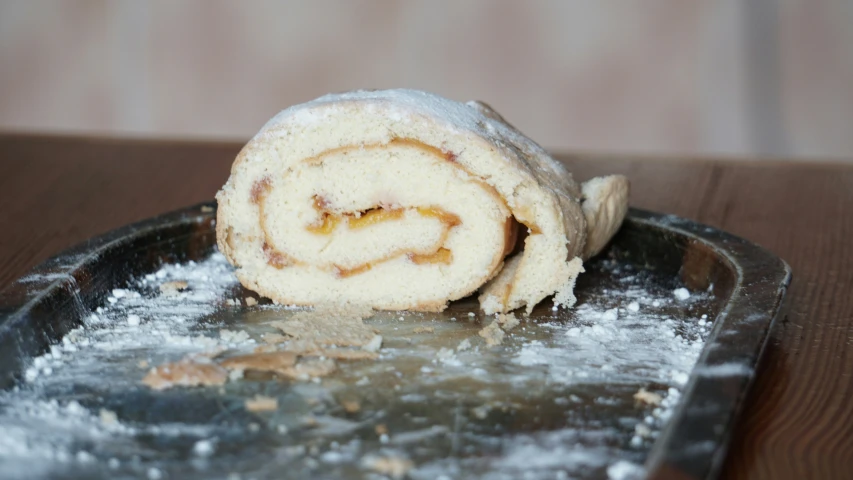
[[798, 422]]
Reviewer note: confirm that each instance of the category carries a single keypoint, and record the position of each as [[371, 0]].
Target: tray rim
[[670, 454]]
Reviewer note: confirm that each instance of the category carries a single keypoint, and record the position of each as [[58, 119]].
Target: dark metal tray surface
[[556, 400]]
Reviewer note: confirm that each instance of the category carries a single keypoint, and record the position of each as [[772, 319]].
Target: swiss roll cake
[[404, 200]]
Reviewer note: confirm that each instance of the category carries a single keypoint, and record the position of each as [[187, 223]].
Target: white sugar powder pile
[[681, 293], [131, 321]]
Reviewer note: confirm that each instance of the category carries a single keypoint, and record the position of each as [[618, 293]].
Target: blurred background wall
[[750, 78]]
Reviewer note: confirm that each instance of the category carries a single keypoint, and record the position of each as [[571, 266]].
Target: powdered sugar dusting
[[134, 322], [141, 318], [616, 345], [555, 400], [627, 336], [402, 105]]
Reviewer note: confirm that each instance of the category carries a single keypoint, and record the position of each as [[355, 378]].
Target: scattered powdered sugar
[[131, 321], [632, 335], [204, 448], [623, 470], [681, 293], [558, 451], [134, 319], [615, 346], [42, 430], [582, 368]]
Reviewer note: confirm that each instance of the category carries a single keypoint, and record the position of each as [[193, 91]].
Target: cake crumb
[[313, 368], [374, 344], [261, 404], [351, 405], [424, 330], [173, 288], [381, 429], [647, 397], [279, 362], [302, 347], [188, 372], [507, 321], [273, 338], [681, 293], [394, 466], [349, 354], [142, 364], [310, 422], [266, 348], [493, 334], [342, 326]]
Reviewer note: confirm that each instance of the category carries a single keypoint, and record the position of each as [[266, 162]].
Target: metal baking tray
[[548, 403]]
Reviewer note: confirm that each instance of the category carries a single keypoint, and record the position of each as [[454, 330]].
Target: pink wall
[[668, 76]]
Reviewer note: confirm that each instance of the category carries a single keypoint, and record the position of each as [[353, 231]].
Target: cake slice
[[404, 200]]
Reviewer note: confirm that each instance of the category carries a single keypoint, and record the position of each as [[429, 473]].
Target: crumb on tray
[[276, 362], [645, 396], [493, 334], [261, 403], [507, 321], [331, 326], [394, 466], [351, 405], [188, 372], [173, 287]]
